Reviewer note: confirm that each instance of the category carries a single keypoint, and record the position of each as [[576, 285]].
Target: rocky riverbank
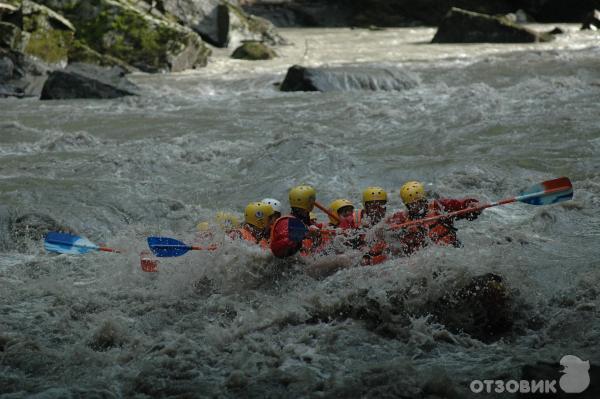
[[168, 36], [110, 38]]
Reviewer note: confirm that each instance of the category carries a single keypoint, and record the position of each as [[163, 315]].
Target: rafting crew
[[299, 231]]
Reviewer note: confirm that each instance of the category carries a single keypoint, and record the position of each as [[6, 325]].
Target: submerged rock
[[591, 21], [482, 307], [556, 31], [34, 226], [299, 78], [461, 26], [253, 51], [87, 81]]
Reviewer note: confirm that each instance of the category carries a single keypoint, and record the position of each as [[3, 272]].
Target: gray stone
[[299, 78], [87, 81], [461, 26], [253, 51]]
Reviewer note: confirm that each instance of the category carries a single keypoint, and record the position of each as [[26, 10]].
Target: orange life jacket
[[247, 235]]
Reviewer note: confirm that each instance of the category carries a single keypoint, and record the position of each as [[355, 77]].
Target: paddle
[[164, 247], [544, 193], [327, 211], [64, 243]]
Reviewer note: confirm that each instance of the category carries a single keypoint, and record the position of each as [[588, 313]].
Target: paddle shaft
[[104, 249], [477, 208], [327, 211]]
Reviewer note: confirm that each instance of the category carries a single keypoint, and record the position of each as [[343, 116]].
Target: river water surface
[[484, 121]]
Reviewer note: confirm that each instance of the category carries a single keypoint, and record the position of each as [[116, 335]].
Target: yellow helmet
[[335, 206], [257, 214], [203, 226], [374, 194], [412, 191], [226, 220], [303, 197]]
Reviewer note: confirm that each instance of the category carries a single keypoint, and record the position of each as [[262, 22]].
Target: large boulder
[[20, 74], [253, 51], [220, 23], [235, 26], [591, 21], [299, 78], [87, 81], [461, 26], [128, 31]]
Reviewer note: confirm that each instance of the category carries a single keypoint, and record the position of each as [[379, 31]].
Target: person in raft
[[440, 231], [258, 218], [374, 207], [296, 231]]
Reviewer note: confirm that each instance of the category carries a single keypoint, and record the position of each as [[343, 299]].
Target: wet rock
[[461, 26], [10, 36], [299, 78], [234, 26], [591, 21], [87, 81], [253, 51], [482, 308], [20, 74], [108, 335], [220, 23], [34, 226], [556, 31]]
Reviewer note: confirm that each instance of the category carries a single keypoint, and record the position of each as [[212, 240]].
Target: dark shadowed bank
[[387, 13]]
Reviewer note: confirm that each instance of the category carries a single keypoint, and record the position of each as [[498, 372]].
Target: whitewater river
[[484, 121]]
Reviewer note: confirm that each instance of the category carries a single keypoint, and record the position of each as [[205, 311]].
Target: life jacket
[[440, 232], [246, 235], [378, 253], [287, 236]]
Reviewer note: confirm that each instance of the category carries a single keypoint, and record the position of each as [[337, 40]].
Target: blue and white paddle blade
[[164, 247], [63, 243], [548, 192]]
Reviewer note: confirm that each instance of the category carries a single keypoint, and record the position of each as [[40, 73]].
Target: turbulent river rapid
[[483, 121]]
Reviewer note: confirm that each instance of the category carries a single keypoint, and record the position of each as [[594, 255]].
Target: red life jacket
[[441, 231], [287, 236]]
